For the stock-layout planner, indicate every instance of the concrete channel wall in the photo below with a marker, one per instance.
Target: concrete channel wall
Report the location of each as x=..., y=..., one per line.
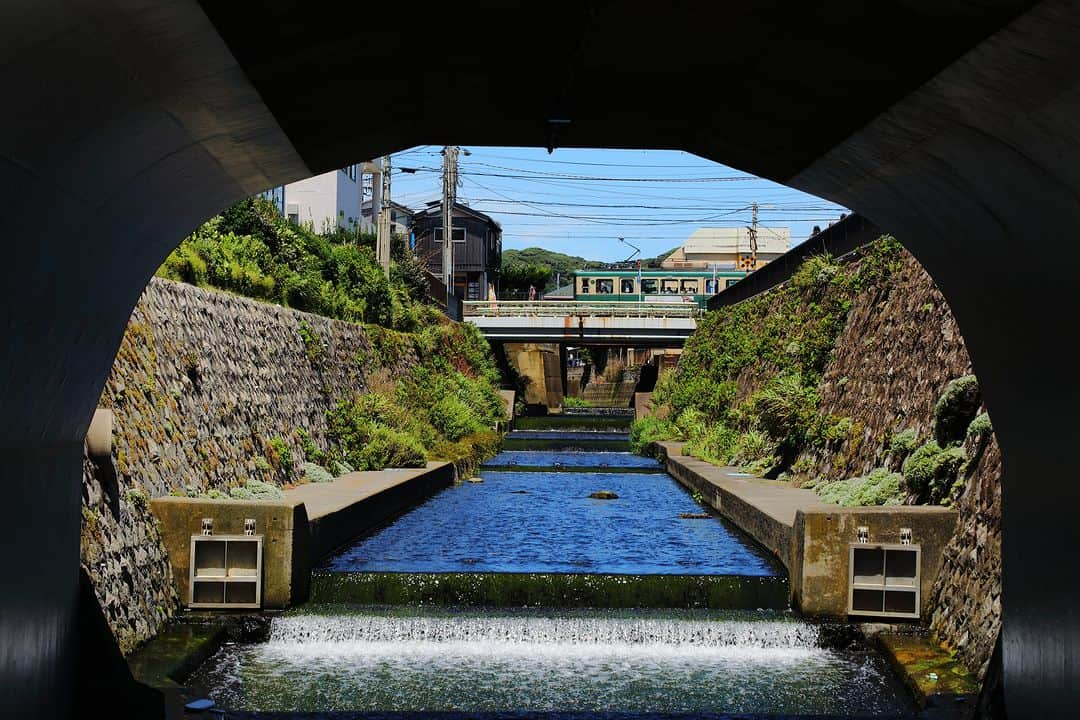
x=809, y=537
x=303, y=529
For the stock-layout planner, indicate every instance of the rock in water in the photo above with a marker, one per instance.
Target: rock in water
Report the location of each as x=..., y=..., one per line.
x=476, y=480
x=604, y=495
x=694, y=516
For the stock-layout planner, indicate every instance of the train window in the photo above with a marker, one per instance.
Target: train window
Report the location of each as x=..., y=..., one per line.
x=710, y=287
x=650, y=286
x=690, y=287
x=626, y=286
x=605, y=286
x=584, y=286
x=669, y=286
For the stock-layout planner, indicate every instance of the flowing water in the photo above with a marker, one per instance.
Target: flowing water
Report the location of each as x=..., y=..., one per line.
x=471, y=602
x=586, y=661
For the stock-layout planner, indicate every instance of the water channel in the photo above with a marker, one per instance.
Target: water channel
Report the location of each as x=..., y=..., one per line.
x=522, y=593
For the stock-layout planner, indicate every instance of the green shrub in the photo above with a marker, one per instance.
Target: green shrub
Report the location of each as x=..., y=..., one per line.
x=576, y=402
x=253, y=489
x=716, y=444
x=312, y=342
x=315, y=473
x=786, y=408
x=452, y=417
x=341, y=467
x=311, y=452
x=980, y=427
x=467, y=454
x=880, y=487
x=387, y=447
x=902, y=443
x=815, y=274
x=931, y=471
x=691, y=423
x=649, y=430
x=280, y=456
x=956, y=408
x=755, y=451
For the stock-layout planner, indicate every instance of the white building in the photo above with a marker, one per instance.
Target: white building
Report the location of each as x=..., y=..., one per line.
x=332, y=198
x=728, y=248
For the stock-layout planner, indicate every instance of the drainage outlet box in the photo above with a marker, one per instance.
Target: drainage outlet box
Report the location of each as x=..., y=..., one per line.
x=883, y=580
x=226, y=572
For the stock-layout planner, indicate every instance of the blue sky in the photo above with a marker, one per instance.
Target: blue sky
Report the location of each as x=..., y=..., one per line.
x=580, y=201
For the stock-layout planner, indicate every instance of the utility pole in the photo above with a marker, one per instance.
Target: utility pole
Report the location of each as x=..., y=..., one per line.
x=449, y=188
x=753, y=236
x=382, y=231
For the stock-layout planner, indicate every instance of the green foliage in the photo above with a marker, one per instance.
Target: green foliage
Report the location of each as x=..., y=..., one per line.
x=454, y=418
x=956, y=408
x=519, y=276
x=307, y=445
x=980, y=427
x=785, y=408
x=902, y=443
x=576, y=402
x=386, y=447
x=312, y=342
x=251, y=250
x=254, y=489
x=315, y=473
x=815, y=274
x=787, y=336
x=340, y=467
x=137, y=498
x=880, y=487
x=716, y=444
x=279, y=456
x=467, y=453
x=648, y=430
x=755, y=451
x=931, y=471
x=554, y=262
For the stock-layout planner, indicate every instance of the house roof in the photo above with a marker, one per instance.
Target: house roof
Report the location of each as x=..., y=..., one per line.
x=434, y=207
x=712, y=240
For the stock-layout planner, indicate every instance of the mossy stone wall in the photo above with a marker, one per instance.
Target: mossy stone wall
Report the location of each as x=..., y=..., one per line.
x=206, y=390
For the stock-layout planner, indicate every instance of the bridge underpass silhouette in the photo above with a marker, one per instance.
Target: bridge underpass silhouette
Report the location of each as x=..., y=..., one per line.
x=129, y=123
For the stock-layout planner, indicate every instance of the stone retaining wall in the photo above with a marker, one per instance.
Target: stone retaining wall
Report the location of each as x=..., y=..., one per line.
x=202, y=382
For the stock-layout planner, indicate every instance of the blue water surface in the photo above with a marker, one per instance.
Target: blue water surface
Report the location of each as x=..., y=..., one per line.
x=553, y=459
x=545, y=522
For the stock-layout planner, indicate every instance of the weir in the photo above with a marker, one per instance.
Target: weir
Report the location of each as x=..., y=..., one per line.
x=520, y=592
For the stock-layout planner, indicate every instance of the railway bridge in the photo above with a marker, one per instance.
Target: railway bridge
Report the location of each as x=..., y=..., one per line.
x=624, y=324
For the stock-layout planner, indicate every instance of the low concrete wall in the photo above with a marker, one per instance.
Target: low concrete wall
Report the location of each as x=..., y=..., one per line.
x=762, y=527
x=810, y=537
x=283, y=525
x=819, y=568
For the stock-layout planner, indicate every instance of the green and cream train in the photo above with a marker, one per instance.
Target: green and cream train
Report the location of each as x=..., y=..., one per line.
x=651, y=285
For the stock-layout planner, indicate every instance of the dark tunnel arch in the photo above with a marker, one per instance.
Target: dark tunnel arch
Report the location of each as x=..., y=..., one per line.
x=135, y=122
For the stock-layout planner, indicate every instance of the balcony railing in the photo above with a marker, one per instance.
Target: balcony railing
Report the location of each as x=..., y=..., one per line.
x=546, y=308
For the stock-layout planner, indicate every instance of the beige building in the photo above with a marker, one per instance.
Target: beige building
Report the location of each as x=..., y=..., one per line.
x=728, y=248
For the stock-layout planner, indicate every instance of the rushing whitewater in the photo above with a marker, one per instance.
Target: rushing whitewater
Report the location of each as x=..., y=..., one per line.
x=584, y=662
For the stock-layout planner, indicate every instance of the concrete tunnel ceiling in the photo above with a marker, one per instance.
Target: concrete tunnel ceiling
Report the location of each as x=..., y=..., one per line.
x=952, y=124
x=766, y=87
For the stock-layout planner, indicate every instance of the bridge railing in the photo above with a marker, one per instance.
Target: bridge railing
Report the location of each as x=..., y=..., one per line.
x=547, y=308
